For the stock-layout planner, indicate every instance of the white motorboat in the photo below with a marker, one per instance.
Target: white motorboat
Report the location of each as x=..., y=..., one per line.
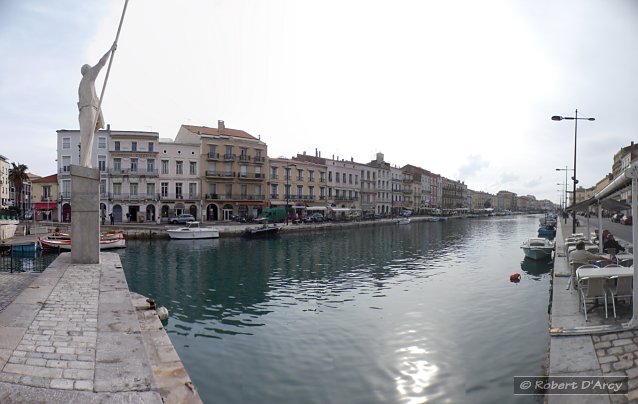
x=193, y=231
x=403, y=220
x=538, y=248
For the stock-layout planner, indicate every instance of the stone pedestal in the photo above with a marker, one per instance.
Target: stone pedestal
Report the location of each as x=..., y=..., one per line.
x=85, y=215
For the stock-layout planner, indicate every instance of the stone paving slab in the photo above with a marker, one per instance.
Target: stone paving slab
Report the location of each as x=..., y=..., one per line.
x=74, y=335
x=12, y=284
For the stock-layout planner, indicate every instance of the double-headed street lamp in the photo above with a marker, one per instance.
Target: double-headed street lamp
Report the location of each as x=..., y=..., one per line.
x=575, y=118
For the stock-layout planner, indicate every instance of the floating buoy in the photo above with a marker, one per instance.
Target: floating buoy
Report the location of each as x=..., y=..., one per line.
x=515, y=277
x=162, y=313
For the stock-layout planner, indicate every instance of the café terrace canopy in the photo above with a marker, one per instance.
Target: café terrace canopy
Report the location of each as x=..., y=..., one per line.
x=606, y=196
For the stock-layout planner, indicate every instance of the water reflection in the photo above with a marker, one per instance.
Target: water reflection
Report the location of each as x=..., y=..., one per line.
x=536, y=268
x=380, y=314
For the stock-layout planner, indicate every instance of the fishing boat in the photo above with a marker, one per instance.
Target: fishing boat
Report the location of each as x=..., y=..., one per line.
x=264, y=231
x=538, y=248
x=403, y=220
x=47, y=243
x=193, y=231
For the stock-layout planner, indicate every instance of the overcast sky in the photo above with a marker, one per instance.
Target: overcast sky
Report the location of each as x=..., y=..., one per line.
x=465, y=89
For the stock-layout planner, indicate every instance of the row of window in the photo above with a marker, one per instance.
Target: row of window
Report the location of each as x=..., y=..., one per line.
x=117, y=145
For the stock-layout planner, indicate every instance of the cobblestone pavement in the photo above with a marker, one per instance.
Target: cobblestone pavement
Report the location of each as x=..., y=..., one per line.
x=617, y=354
x=12, y=284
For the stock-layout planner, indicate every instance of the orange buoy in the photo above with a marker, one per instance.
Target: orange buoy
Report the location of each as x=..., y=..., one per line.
x=515, y=277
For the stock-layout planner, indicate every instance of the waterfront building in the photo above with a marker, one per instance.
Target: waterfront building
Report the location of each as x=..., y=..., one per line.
x=454, y=194
x=131, y=183
x=298, y=182
x=68, y=153
x=179, y=188
x=44, y=198
x=526, y=203
x=506, y=200
x=397, y=196
x=436, y=190
x=343, y=183
x=623, y=159
x=4, y=181
x=232, y=170
x=127, y=164
x=483, y=200
x=368, y=189
x=383, y=185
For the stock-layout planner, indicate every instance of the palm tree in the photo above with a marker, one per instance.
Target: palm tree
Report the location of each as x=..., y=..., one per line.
x=18, y=176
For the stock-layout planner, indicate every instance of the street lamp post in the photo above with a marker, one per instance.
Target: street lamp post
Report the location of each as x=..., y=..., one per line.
x=565, y=188
x=575, y=118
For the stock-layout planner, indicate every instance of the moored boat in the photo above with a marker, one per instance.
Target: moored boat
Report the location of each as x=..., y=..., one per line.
x=264, y=231
x=193, y=231
x=47, y=243
x=403, y=220
x=538, y=248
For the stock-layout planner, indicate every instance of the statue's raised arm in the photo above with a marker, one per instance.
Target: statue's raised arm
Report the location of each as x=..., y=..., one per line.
x=90, y=118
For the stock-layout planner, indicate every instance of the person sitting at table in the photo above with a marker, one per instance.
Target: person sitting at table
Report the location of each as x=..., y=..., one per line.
x=610, y=242
x=582, y=256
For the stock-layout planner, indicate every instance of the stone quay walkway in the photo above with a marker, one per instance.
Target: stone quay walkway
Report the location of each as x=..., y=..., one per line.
x=594, y=354
x=76, y=334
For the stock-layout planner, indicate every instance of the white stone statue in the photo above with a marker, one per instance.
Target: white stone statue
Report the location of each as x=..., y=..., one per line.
x=91, y=119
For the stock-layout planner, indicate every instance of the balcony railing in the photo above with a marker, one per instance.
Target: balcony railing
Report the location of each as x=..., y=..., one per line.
x=234, y=197
x=131, y=197
x=244, y=157
x=181, y=197
x=229, y=157
x=259, y=159
x=134, y=171
x=213, y=156
x=224, y=174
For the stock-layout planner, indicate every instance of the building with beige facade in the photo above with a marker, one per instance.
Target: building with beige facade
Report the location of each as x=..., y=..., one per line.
x=233, y=167
x=44, y=198
x=299, y=183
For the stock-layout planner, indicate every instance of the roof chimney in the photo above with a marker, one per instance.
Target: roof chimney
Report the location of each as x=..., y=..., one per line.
x=220, y=125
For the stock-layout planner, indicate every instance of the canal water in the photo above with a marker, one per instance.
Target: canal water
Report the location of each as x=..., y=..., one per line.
x=383, y=314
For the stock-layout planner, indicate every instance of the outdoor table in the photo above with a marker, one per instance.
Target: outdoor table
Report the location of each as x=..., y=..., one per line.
x=604, y=272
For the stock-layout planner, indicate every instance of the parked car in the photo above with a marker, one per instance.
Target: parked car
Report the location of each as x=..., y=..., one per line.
x=314, y=218
x=183, y=218
x=626, y=219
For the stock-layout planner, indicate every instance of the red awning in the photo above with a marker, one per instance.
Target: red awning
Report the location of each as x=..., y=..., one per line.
x=45, y=205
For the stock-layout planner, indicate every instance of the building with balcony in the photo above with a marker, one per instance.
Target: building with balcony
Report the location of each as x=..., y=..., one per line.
x=232, y=170
x=4, y=182
x=483, y=200
x=506, y=200
x=454, y=194
x=44, y=198
x=128, y=170
x=298, y=183
x=178, y=189
x=368, y=189
x=132, y=180
x=383, y=185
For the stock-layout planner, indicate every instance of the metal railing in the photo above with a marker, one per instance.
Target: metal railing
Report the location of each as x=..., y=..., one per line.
x=23, y=262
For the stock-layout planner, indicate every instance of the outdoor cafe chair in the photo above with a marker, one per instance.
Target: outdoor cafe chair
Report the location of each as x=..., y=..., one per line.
x=591, y=289
x=627, y=262
x=574, y=266
x=620, y=287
